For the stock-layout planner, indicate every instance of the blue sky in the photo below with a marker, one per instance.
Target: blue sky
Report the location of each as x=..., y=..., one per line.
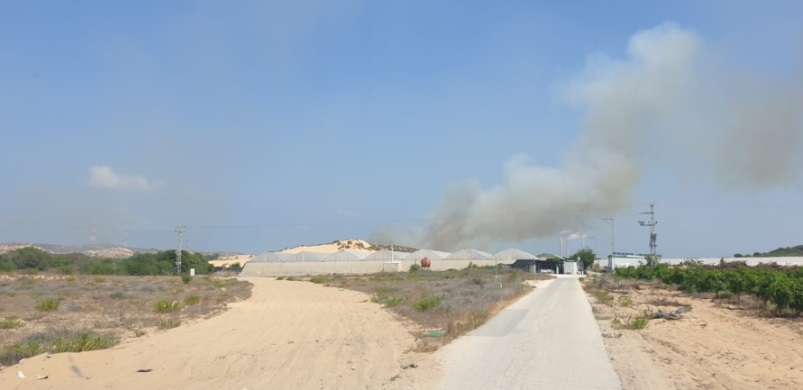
x=263, y=124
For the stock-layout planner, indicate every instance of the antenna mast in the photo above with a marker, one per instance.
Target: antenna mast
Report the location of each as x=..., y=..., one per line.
x=611, y=220
x=651, y=224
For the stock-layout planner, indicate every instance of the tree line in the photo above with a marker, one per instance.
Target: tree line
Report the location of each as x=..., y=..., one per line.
x=159, y=263
x=782, y=287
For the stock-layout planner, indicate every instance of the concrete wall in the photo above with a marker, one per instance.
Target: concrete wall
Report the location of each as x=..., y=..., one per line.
x=288, y=268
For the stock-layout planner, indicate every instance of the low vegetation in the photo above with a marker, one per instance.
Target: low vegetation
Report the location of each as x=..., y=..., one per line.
x=11, y=323
x=169, y=323
x=780, y=288
x=55, y=341
x=47, y=305
x=53, y=312
x=166, y=306
x=32, y=260
x=446, y=304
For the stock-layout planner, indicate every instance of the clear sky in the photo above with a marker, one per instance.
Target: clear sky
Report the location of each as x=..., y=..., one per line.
x=266, y=124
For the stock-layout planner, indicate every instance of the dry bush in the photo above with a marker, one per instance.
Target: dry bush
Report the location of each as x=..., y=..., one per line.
x=123, y=306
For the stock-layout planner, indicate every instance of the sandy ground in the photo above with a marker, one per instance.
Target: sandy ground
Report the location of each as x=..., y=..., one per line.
x=718, y=345
x=225, y=261
x=301, y=335
x=288, y=335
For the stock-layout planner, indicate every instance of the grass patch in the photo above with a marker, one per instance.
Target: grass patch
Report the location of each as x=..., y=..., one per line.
x=166, y=306
x=604, y=297
x=318, y=279
x=169, y=323
x=53, y=341
x=11, y=323
x=427, y=302
x=192, y=299
x=625, y=301
x=388, y=297
x=634, y=323
x=48, y=305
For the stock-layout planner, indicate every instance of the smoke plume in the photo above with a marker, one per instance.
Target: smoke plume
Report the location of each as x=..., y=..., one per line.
x=740, y=130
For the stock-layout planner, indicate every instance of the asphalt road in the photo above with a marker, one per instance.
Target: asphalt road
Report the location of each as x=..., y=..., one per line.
x=546, y=340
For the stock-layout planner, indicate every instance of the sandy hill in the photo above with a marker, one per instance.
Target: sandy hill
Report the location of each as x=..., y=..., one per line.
x=355, y=245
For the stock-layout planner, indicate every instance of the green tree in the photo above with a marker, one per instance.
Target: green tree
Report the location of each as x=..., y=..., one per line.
x=586, y=257
x=652, y=260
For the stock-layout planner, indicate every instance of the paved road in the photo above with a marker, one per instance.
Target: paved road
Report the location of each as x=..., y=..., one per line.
x=547, y=340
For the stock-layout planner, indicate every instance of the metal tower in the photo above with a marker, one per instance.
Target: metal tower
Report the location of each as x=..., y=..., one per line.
x=651, y=224
x=610, y=219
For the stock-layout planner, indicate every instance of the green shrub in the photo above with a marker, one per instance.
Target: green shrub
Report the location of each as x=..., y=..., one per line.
x=166, y=306
x=392, y=301
x=48, y=305
x=427, y=302
x=318, y=279
x=638, y=323
x=414, y=268
x=192, y=299
x=11, y=323
x=387, y=296
x=85, y=341
x=280, y=278
x=726, y=295
x=186, y=278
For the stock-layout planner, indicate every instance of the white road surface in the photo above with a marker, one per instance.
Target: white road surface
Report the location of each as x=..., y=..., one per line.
x=546, y=340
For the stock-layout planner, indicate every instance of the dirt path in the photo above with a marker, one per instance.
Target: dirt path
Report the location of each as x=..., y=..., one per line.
x=287, y=335
x=718, y=345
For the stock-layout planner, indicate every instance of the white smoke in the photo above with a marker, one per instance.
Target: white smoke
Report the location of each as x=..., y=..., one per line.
x=665, y=91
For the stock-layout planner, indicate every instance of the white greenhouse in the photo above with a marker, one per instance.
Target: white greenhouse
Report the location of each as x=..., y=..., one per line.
x=386, y=255
x=271, y=257
x=469, y=254
x=308, y=256
x=346, y=255
x=512, y=254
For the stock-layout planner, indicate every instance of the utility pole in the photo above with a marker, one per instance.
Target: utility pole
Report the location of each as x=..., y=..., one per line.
x=610, y=219
x=651, y=224
x=180, y=231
